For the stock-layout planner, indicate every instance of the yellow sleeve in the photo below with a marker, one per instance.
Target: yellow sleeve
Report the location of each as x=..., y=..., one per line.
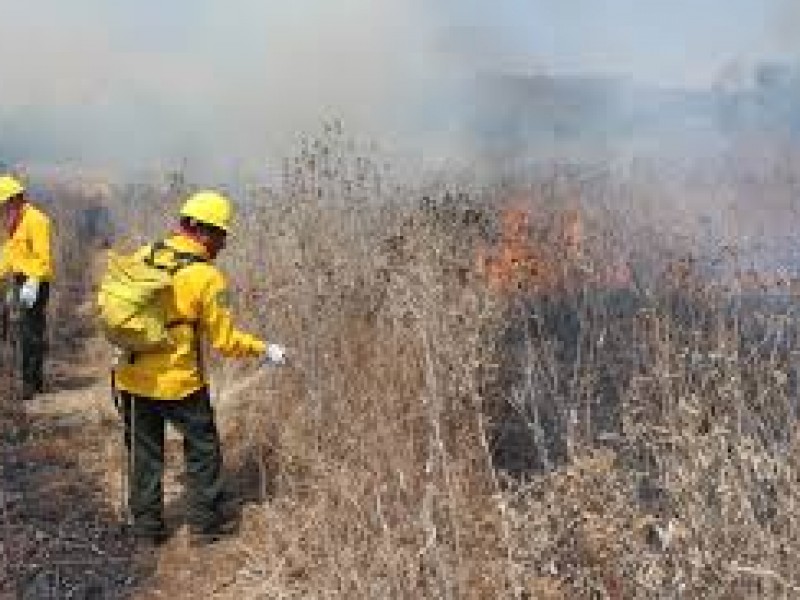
x=39, y=262
x=218, y=323
x=5, y=263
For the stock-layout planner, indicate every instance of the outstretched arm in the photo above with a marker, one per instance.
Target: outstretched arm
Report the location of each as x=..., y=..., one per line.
x=218, y=324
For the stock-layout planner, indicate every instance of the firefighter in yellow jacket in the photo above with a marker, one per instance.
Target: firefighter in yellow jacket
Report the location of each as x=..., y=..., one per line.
x=171, y=386
x=26, y=265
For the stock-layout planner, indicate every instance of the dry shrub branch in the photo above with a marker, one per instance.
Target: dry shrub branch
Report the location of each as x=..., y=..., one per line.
x=600, y=403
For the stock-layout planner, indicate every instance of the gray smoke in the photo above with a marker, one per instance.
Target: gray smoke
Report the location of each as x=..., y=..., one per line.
x=202, y=82
x=224, y=85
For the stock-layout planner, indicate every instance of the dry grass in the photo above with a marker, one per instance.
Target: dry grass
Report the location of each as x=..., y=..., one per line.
x=435, y=439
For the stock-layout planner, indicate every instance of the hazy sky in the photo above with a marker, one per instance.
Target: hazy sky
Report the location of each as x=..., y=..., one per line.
x=138, y=82
x=672, y=42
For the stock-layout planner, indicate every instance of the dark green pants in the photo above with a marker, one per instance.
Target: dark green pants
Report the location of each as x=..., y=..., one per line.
x=193, y=416
x=33, y=337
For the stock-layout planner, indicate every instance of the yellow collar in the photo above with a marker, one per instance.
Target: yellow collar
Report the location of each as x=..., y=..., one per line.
x=183, y=243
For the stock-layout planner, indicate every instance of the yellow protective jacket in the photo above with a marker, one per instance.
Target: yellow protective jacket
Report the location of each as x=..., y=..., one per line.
x=199, y=303
x=28, y=251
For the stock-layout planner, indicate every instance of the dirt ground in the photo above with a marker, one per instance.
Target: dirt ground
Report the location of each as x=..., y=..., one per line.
x=62, y=532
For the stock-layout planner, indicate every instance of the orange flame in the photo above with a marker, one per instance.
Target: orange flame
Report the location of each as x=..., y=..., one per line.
x=544, y=257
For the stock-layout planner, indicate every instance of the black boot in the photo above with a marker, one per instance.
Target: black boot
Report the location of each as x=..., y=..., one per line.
x=220, y=528
x=28, y=392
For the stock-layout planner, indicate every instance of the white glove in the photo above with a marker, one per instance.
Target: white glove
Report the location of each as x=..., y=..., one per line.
x=29, y=292
x=275, y=354
x=118, y=356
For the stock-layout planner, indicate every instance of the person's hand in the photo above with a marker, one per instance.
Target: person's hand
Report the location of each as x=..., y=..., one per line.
x=275, y=355
x=29, y=292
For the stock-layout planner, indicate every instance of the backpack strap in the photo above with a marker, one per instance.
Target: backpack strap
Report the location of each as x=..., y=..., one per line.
x=150, y=259
x=182, y=259
x=185, y=259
